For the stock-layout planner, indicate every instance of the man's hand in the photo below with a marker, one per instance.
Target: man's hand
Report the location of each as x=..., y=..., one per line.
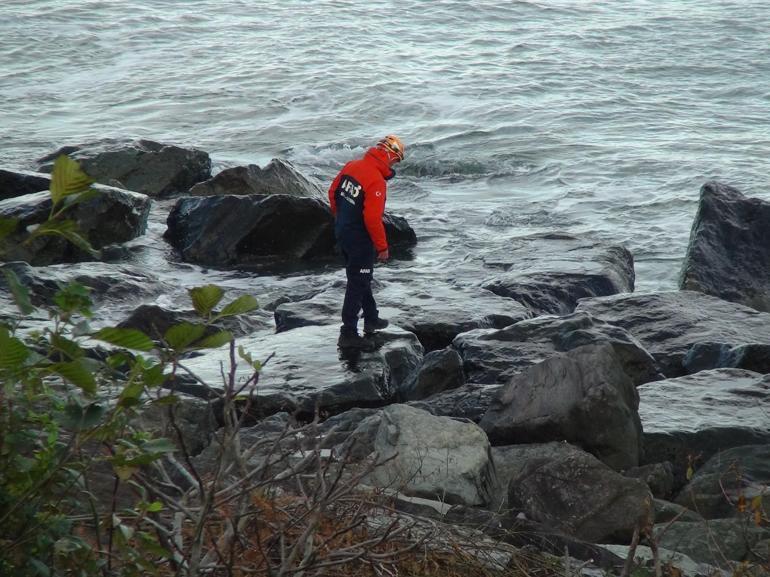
x=383, y=255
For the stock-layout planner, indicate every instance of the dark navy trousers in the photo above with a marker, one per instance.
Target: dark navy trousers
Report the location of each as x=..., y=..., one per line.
x=359, y=267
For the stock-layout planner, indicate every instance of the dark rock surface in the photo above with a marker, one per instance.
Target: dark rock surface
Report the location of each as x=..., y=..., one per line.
x=659, y=477
x=495, y=356
x=583, y=397
x=15, y=183
x=469, y=401
x=729, y=251
x=308, y=371
x=549, y=272
x=113, y=216
x=571, y=491
x=440, y=371
x=145, y=166
x=278, y=177
x=704, y=356
x=703, y=413
x=669, y=324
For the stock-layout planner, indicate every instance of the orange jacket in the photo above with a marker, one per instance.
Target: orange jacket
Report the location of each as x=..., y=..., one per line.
x=357, y=198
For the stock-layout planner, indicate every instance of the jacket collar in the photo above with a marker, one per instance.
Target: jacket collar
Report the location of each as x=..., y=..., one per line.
x=380, y=160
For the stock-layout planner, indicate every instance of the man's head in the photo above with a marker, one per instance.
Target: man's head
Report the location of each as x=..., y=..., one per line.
x=393, y=147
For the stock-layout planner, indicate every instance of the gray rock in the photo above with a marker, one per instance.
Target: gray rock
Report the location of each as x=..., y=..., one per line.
x=674, y=562
x=495, y=356
x=549, y=272
x=15, y=183
x=669, y=324
x=436, y=313
x=725, y=479
x=152, y=168
x=440, y=371
x=469, y=402
x=659, y=477
x=700, y=414
x=308, y=371
x=573, y=492
x=113, y=216
x=278, y=177
x=716, y=542
x=666, y=511
x=704, y=356
x=729, y=251
x=432, y=457
x=193, y=420
x=583, y=397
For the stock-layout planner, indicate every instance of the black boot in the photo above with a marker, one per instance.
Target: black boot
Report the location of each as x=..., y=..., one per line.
x=352, y=340
x=375, y=325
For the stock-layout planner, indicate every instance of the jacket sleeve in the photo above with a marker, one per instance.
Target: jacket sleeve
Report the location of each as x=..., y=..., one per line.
x=332, y=188
x=374, y=208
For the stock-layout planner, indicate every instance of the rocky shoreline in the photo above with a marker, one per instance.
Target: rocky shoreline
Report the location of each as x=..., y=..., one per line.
x=527, y=387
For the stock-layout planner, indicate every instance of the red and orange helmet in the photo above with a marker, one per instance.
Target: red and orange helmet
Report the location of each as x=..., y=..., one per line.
x=393, y=144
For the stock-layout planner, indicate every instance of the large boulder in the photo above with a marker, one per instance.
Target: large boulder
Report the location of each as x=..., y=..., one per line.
x=703, y=413
x=727, y=484
x=152, y=168
x=436, y=313
x=549, y=273
x=305, y=371
x=583, y=397
x=469, y=402
x=113, y=216
x=440, y=371
x=729, y=251
x=278, y=177
x=669, y=324
x=432, y=457
x=495, y=356
x=15, y=183
x=573, y=492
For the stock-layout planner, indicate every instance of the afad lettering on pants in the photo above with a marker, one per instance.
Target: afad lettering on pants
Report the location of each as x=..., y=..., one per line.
x=365, y=271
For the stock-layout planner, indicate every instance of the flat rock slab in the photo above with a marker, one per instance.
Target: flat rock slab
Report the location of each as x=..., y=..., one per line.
x=435, y=313
x=548, y=273
x=15, y=183
x=669, y=324
x=307, y=370
x=278, y=177
x=729, y=251
x=495, y=356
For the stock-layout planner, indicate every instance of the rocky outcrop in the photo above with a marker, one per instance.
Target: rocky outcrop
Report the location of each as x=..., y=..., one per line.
x=469, y=401
x=573, y=492
x=729, y=251
x=15, y=183
x=432, y=457
x=582, y=396
x=306, y=371
x=495, y=356
x=144, y=166
x=549, y=273
x=703, y=413
x=440, y=371
x=669, y=324
x=278, y=177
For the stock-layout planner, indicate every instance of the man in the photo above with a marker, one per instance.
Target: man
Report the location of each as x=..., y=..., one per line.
x=357, y=198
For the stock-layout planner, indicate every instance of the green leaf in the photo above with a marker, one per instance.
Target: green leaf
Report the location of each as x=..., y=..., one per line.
x=84, y=196
x=67, y=178
x=64, y=345
x=153, y=376
x=214, y=341
x=239, y=306
x=131, y=394
x=68, y=230
x=78, y=417
x=78, y=373
x=128, y=338
x=154, y=507
x=13, y=352
x=74, y=297
x=205, y=298
x=19, y=292
x=8, y=226
x=183, y=335
x=160, y=445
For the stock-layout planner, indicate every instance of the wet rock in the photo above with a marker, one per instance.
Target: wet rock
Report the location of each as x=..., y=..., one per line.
x=278, y=177
x=549, y=273
x=432, y=457
x=495, y=356
x=15, y=183
x=716, y=542
x=307, y=367
x=669, y=324
x=469, y=401
x=152, y=168
x=440, y=371
x=725, y=480
x=659, y=477
x=436, y=314
x=573, y=492
x=698, y=415
x=583, y=397
x=113, y=216
x=400, y=235
x=230, y=230
x=704, y=356
x=729, y=252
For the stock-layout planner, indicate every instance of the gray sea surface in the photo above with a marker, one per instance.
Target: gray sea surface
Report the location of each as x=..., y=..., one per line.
x=519, y=116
